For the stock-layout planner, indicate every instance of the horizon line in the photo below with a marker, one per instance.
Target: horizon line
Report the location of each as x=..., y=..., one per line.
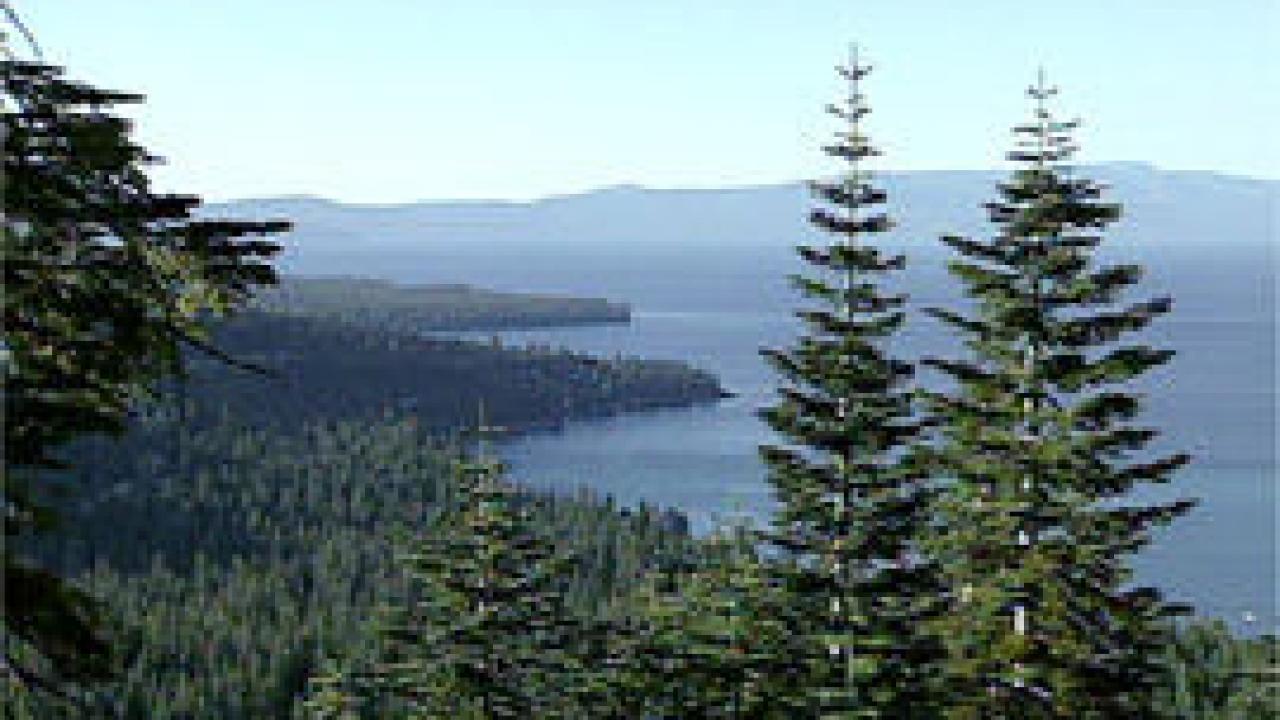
x=626, y=186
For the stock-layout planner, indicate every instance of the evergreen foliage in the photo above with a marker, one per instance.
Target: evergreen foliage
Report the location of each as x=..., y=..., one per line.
x=851, y=497
x=487, y=629
x=323, y=368
x=702, y=641
x=1215, y=676
x=242, y=548
x=105, y=281
x=1038, y=456
x=235, y=562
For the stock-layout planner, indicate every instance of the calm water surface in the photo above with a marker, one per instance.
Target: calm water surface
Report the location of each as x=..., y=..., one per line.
x=1215, y=400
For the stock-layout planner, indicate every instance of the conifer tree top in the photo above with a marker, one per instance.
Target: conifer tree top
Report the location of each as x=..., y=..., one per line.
x=850, y=496
x=1039, y=454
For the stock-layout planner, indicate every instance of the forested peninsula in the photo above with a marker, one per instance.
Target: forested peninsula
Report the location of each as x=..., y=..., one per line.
x=220, y=507
x=361, y=349
x=251, y=521
x=413, y=308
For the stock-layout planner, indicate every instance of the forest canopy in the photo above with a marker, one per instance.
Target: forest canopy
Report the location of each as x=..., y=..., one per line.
x=225, y=501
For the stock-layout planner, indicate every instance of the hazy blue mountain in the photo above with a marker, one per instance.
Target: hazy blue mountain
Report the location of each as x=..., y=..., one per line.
x=1162, y=207
x=1206, y=237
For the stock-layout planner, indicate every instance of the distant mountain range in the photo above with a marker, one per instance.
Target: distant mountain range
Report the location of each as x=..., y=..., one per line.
x=1160, y=207
x=592, y=243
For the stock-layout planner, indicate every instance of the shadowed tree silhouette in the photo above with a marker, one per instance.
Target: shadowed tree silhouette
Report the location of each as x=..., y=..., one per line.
x=105, y=282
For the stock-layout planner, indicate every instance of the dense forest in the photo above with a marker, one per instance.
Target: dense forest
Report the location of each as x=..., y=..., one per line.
x=239, y=542
x=226, y=507
x=315, y=368
x=239, y=564
x=355, y=348
x=235, y=561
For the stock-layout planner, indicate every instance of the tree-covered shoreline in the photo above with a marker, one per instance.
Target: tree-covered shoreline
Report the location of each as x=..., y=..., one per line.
x=418, y=308
x=216, y=509
x=234, y=562
x=318, y=367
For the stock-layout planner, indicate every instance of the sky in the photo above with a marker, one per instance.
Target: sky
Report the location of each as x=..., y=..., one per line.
x=385, y=101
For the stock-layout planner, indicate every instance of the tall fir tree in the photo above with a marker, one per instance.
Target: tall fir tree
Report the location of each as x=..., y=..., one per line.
x=105, y=282
x=851, y=496
x=1038, y=456
x=487, y=631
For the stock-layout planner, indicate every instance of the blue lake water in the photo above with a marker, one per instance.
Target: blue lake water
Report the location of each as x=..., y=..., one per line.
x=1215, y=400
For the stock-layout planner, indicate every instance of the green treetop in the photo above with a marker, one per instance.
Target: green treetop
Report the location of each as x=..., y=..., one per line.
x=105, y=281
x=1037, y=457
x=850, y=498
x=703, y=640
x=487, y=630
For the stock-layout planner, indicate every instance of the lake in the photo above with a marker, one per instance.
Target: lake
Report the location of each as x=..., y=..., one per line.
x=1215, y=400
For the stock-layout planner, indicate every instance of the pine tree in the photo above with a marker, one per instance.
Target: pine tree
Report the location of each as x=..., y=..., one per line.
x=1038, y=455
x=703, y=639
x=487, y=630
x=851, y=497
x=105, y=282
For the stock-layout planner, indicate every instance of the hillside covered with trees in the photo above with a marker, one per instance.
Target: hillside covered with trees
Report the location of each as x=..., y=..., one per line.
x=216, y=507
x=316, y=368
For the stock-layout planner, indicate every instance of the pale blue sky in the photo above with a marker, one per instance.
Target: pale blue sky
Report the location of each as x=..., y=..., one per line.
x=398, y=100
